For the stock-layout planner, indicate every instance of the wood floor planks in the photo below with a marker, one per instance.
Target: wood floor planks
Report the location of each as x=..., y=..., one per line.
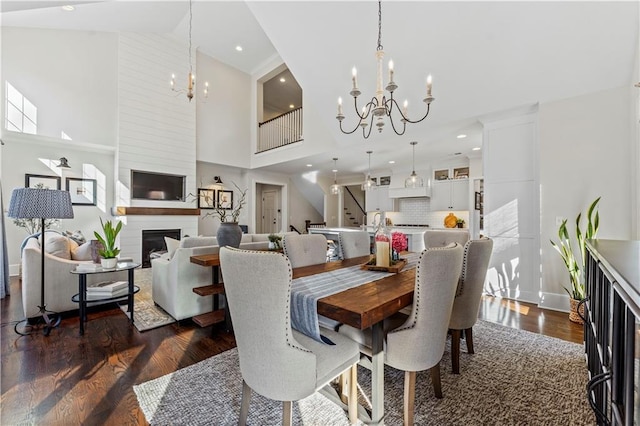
x=70, y=379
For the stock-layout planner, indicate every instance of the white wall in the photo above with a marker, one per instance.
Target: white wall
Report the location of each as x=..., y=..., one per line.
x=70, y=77
x=585, y=146
x=224, y=119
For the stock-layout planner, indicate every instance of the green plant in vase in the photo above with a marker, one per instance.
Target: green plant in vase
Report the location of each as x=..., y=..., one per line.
x=109, y=251
x=274, y=241
x=576, y=266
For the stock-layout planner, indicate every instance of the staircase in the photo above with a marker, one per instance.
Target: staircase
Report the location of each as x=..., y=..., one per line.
x=353, y=214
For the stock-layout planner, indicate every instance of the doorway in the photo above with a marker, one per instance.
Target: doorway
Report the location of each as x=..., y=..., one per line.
x=269, y=220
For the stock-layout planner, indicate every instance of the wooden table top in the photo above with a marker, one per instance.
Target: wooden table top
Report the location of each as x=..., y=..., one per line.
x=365, y=305
x=359, y=307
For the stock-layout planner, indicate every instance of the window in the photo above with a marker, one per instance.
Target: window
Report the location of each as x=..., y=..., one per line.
x=21, y=114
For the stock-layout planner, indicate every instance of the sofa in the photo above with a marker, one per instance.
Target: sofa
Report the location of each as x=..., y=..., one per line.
x=174, y=276
x=62, y=254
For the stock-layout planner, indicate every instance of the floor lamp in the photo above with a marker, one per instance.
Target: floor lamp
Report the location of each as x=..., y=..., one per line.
x=35, y=203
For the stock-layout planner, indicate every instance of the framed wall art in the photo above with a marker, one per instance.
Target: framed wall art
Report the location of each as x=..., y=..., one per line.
x=206, y=198
x=83, y=192
x=225, y=199
x=42, y=181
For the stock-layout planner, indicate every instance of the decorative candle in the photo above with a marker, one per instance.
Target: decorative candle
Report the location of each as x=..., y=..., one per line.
x=354, y=73
x=339, y=106
x=382, y=253
x=390, y=71
x=429, y=85
x=173, y=80
x=405, y=108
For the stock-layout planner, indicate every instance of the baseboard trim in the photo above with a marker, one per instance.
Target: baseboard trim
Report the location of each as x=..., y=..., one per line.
x=14, y=270
x=554, y=302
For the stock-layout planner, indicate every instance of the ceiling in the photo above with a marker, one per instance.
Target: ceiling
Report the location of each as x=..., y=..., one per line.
x=485, y=58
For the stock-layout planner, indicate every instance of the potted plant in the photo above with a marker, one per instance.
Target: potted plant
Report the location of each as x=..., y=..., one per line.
x=460, y=223
x=570, y=258
x=274, y=241
x=229, y=232
x=109, y=251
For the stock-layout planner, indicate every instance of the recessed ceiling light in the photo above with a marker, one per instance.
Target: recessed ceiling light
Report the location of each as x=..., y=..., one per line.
x=392, y=162
x=461, y=136
x=282, y=80
x=309, y=165
x=292, y=106
x=476, y=148
x=239, y=48
x=68, y=8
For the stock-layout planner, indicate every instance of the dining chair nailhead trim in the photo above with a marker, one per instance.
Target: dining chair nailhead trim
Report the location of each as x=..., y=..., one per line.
x=287, y=327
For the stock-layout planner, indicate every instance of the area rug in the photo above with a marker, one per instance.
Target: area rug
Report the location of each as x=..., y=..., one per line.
x=514, y=378
x=146, y=315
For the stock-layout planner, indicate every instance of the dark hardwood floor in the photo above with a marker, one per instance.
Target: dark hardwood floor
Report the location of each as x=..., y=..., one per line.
x=67, y=379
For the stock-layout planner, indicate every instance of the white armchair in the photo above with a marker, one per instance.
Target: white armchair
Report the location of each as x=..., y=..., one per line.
x=59, y=284
x=174, y=279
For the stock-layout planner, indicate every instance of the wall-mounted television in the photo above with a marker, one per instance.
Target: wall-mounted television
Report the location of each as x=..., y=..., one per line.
x=157, y=186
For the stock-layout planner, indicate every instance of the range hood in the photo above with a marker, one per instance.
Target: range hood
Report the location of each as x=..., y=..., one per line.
x=397, y=189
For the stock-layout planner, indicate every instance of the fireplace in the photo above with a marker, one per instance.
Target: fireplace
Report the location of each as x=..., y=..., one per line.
x=153, y=242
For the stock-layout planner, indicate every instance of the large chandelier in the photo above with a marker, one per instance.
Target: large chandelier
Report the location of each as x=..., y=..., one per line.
x=379, y=106
x=335, y=188
x=192, y=77
x=369, y=184
x=414, y=181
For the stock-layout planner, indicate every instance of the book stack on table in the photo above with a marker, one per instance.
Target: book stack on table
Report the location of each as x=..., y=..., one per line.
x=107, y=289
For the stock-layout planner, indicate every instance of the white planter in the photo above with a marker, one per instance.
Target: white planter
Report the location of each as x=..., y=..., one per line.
x=109, y=263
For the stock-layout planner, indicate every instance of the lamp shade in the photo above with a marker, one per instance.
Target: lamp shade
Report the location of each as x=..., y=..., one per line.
x=31, y=203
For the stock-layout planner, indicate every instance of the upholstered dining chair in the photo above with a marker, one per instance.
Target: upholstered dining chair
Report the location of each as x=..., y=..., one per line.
x=418, y=343
x=467, y=302
x=276, y=361
x=305, y=249
x=354, y=244
x=443, y=237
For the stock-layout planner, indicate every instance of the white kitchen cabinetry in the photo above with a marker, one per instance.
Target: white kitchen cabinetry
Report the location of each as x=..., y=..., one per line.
x=450, y=195
x=378, y=199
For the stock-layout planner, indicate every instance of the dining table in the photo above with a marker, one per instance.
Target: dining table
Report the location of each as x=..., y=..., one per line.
x=366, y=306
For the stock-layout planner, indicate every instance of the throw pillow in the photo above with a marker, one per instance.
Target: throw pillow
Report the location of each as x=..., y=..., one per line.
x=82, y=252
x=75, y=236
x=172, y=245
x=57, y=245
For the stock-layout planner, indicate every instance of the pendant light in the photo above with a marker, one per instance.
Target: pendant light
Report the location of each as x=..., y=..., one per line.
x=414, y=181
x=369, y=184
x=335, y=188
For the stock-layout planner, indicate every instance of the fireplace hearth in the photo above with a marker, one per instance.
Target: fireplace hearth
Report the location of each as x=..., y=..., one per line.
x=153, y=242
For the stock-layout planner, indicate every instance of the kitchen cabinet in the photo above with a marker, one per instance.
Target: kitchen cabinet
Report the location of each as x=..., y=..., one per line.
x=378, y=199
x=450, y=195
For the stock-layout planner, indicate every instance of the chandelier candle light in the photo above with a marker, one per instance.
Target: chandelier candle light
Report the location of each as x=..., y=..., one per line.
x=335, y=188
x=414, y=181
x=379, y=106
x=192, y=77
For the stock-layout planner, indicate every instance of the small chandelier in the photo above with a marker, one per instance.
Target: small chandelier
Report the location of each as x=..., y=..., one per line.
x=335, y=188
x=379, y=106
x=192, y=77
x=369, y=184
x=64, y=163
x=414, y=181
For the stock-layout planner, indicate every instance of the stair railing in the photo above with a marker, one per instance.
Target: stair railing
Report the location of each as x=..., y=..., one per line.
x=282, y=130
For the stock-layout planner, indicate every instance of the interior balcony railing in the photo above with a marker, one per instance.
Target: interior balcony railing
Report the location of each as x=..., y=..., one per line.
x=282, y=130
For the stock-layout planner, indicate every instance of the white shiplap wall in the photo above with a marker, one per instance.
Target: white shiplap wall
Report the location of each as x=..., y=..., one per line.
x=156, y=130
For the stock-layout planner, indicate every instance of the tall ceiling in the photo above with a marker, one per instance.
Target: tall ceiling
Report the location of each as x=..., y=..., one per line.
x=485, y=57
